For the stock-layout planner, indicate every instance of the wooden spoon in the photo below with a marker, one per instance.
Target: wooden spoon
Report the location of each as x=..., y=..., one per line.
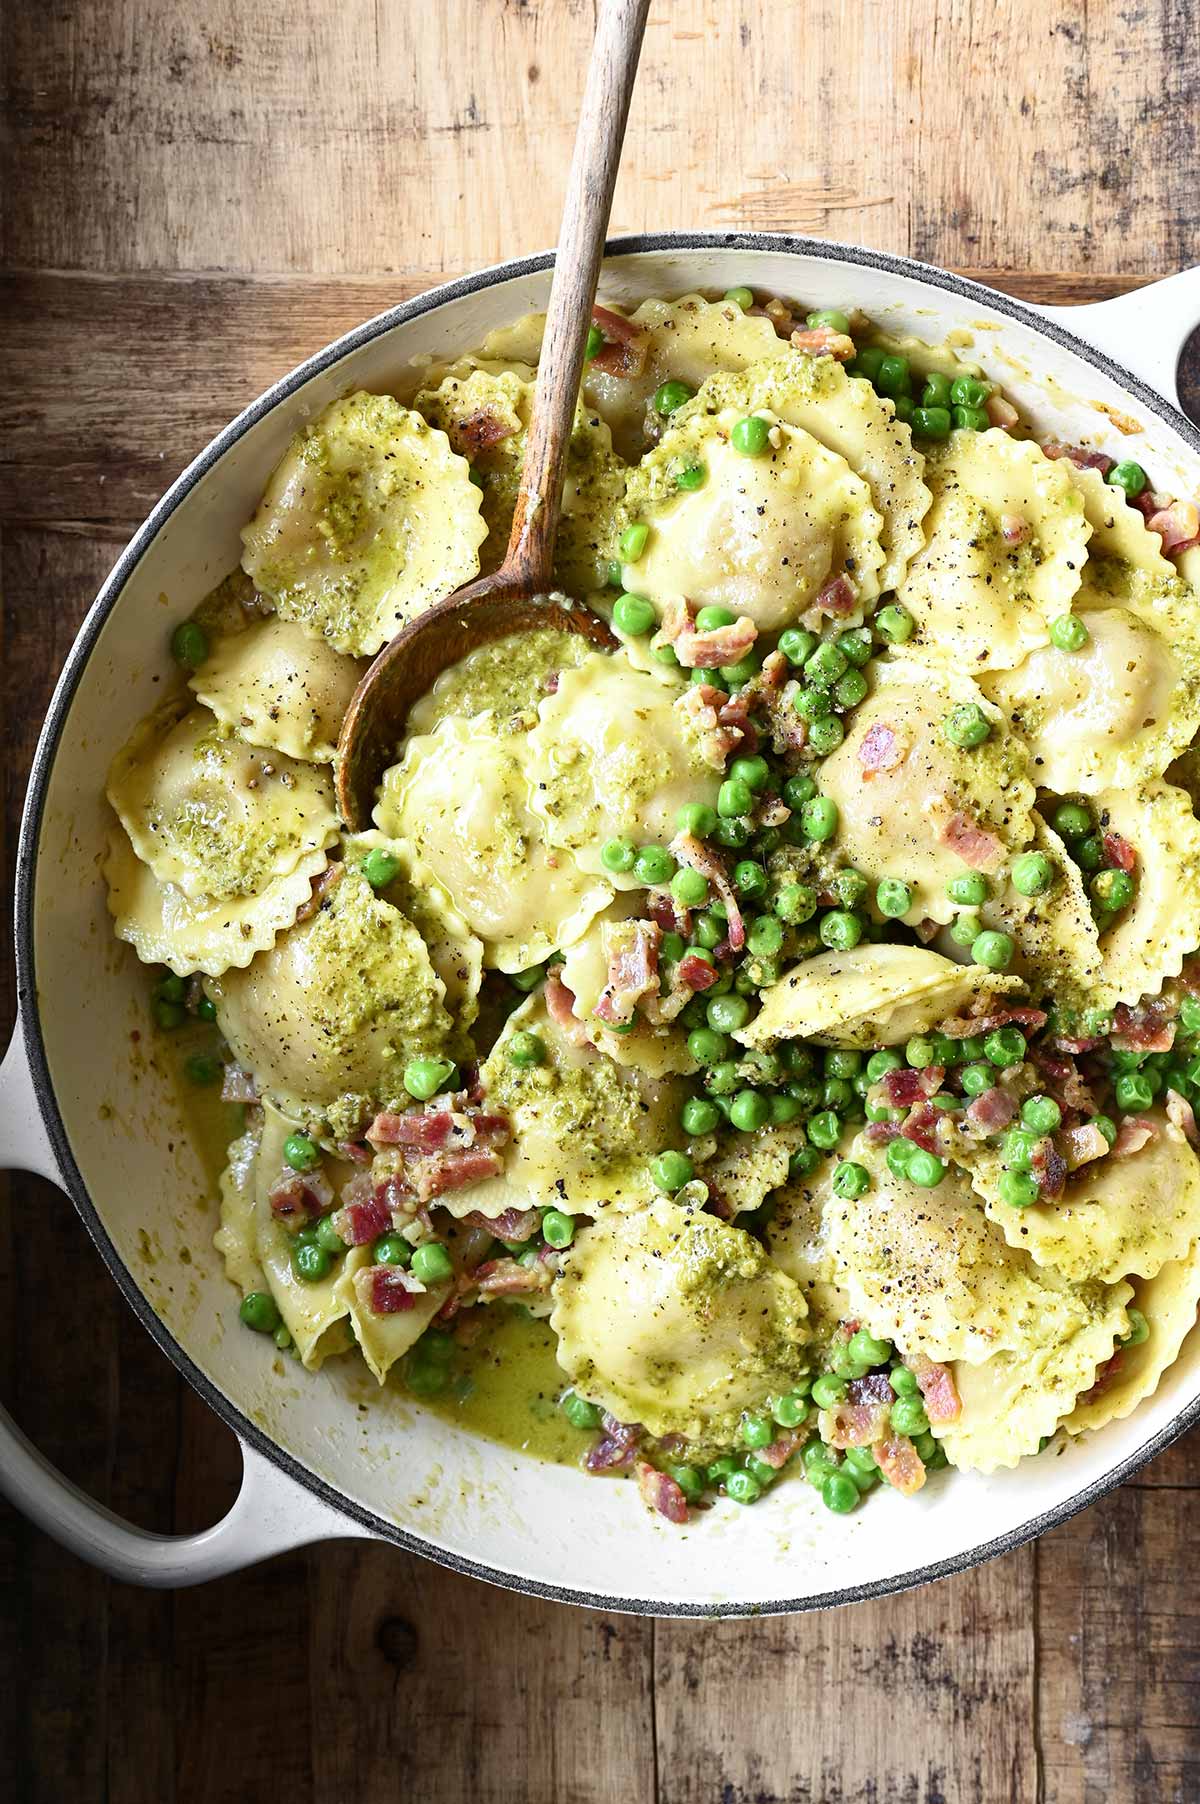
x=516, y=597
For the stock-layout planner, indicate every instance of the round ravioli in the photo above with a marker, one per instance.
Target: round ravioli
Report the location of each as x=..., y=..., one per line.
x=613, y=757
x=486, y=419
x=212, y=815
x=458, y=801
x=1148, y=941
x=912, y=805
x=874, y=995
x=843, y=413
x=455, y=953
x=165, y=927
x=328, y=1018
x=369, y=519
x=679, y=1321
x=1168, y=1301
x=277, y=687
x=758, y=534
x=657, y=1050
x=1006, y=540
x=1058, y=947
x=583, y=1128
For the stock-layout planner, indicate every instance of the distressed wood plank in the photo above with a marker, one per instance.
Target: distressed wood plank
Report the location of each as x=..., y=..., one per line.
x=913, y=1700
x=1119, y=1652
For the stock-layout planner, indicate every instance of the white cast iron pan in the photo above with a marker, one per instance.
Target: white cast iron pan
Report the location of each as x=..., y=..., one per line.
x=89, y=1108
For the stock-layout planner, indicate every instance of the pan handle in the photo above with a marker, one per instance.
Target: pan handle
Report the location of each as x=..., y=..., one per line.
x=272, y=1512
x=1144, y=331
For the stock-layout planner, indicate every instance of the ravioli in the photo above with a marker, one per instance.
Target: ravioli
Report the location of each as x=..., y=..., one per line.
x=455, y=953
x=329, y=1017
x=910, y=804
x=1119, y=531
x=980, y=601
x=314, y=1312
x=797, y=1239
x=507, y=677
x=1058, y=947
x=165, y=928
x=278, y=688
x=1149, y=940
x=368, y=519
x=612, y=757
x=874, y=995
x=217, y=818
x=1168, y=1301
x=760, y=535
x=657, y=1051
x=679, y=1321
x=583, y=1128
x=1117, y=1218
x=746, y=1168
x=486, y=419
x=459, y=801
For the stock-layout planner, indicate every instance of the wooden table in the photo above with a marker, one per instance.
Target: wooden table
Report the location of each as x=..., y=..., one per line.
x=197, y=196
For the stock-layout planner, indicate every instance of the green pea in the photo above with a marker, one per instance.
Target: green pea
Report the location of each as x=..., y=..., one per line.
x=925, y=1169
x=932, y=422
x=970, y=419
x=1068, y=633
x=526, y=1049
x=578, y=1411
x=1129, y=476
x=300, y=1152
x=431, y=1263
x=696, y=818
x=893, y=376
x=894, y=624
x=708, y=931
x=1189, y=1014
x=734, y=798
x=797, y=645
x=903, y=1382
x=803, y=1162
x=710, y=619
x=825, y=665
x=741, y=672
x=967, y=726
x=751, y=436
x=328, y=1236
x=812, y=704
x=672, y=947
x=558, y=1230
x=206, y=1009
x=789, y=1411
x=258, y=1311
x=840, y=930
x=392, y=1249
x=824, y=1130
x=1032, y=874
x=843, y=1061
x=861, y=1460
x=893, y=899
x=595, y=343
x=868, y=1350
x=426, y=1078
x=839, y=1493
x=829, y=316
x=688, y=887
x=919, y=1051
x=850, y=689
x=851, y=1180
x=1112, y=890
x=723, y=1078
x=691, y=476
x=868, y=360
x=722, y=1468
x=282, y=1337
x=749, y=879
x=757, y=1431
x=664, y=654
x=728, y=1013
x=653, y=865
x=699, y=1116
x=634, y=616
x=671, y=395
x=1017, y=1148
x=1004, y=1046
x=1139, y=1329
x=672, y=1170
x=1017, y=1189
x=633, y=541
x=828, y=1391
x=969, y=391
x=202, y=1069
x=525, y=981
x=189, y=645
x=1133, y=1090
x=1041, y=1114
x=993, y=950
x=743, y=1487
x=908, y=1416
x=795, y=903
x=734, y=834
x=971, y=889
x=749, y=1111
x=169, y=1015
x=309, y=1261
x=740, y=297
x=765, y=937
x=880, y=1063
x=825, y=735
x=856, y=646
x=379, y=867
x=819, y=819
x=755, y=772
x=1072, y=820
x=936, y=391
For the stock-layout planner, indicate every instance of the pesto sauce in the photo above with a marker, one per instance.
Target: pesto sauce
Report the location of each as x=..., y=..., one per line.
x=509, y=676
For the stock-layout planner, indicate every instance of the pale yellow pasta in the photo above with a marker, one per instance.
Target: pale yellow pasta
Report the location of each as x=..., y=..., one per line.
x=655, y=1050
x=368, y=519
x=1119, y=531
x=215, y=817
x=1168, y=1302
x=278, y=688
x=760, y=535
x=679, y=1321
x=744, y=1171
x=455, y=953
x=911, y=811
x=1058, y=947
x=981, y=601
x=237, y=1237
x=459, y=801
x=314, y=1312
x=610, y=757
x=1149, y=940
x=874, y=995
x=507, y=677
x=797, y=1239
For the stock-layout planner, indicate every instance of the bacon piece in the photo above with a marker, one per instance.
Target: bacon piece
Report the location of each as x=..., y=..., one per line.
x=962, y=1027
x=696, y=974
x=1146, y=1028
x=861, y=1418
x=1134, y=1133
x=881, y=748
x=942, y=1401
x=238, y=1085
x=703, y=706
x=1083, y=460
x=1014, y=529
x=660, y=1492
x=1178, y=526
x=433, y=1130
x=297, y=1198
x=1062, y=1079
x=900, y=1463
x=904, y=1087
x=509, y=1278
x=452, y=1171
x=365, y=1213
x=480, y=432
x=357, y=1152
x=823, y=341
x=706, y=650
x=990, y=1111
x=1180, y=1111
x=880, y=1133
x=560, y=1004
x=623, y=352
x=921, y=1126
x=691, y=851
x=781, y=1450
x=1001, y=413
x=616, y=1448
x=978, y=848
x=632, y=971
x=734, y=717
x=1049, y=1168
x=837, y=598
x=1105, y=1375
x=321, y=885
x=513, y=1226
x=387, y=1289
x=1082, y=1144
x=1118, y=853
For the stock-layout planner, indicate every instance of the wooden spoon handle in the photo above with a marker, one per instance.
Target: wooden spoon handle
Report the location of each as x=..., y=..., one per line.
x=590, y=185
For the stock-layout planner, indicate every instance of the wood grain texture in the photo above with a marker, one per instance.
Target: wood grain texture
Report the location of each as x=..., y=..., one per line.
x=195, y=199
